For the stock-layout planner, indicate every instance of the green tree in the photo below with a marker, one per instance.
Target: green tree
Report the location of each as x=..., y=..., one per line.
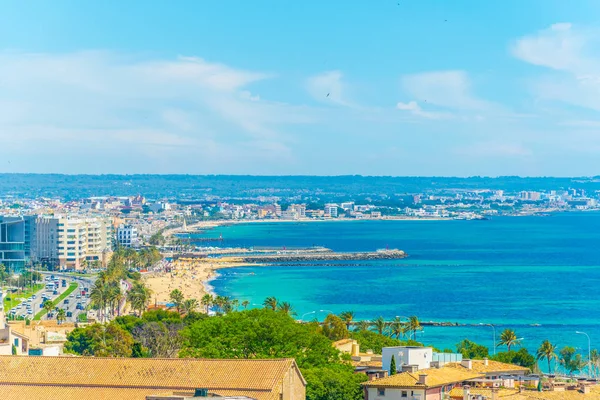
x=379, y=324
x=245, y=304
x=362, y=326
x=61, y=316
x=348, y=318
x=139, y=297
x=286, y=308
x=413, y=325
x=333, y=382
x=49, y=306
x=472, y=350
x=547, y=351
x=370, y=340
x=270, y=303
x=177, y=298
x=98, y=340
x=207, y=301
x=393, y=366
x=397, y=328
x=508, y=338
x=334, y=328
x=570, y=360
x=257, y=333
x=190, y=305
x=521, y=357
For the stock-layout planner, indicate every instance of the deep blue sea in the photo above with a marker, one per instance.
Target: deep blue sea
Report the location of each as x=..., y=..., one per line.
x=507, y=271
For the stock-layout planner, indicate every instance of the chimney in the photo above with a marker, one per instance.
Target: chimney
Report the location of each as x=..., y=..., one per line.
x=423, y=379
x=466, y=392
x=468, y=364
x=355, y=348
x=409, y=368
x=485, y=361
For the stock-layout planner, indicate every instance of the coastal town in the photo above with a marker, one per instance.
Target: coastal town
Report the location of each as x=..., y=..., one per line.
x=122, y=264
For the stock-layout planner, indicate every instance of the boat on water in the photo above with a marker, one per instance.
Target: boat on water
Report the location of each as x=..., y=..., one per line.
x=535, y=325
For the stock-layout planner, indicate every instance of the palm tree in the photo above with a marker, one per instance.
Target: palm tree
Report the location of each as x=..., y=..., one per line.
x=245, y=304
x=413, y=325
x=397, y=327
x=235, y=304
x=48, y=306
x=286, y=308
x=61, y=316
x=270, y=303
x=362, y=326
x=207, y=301
x=190, y=305
x=379, y=324
x=347, y=317
x=177, y=298
x=547, y=350
x=226, y=304
x=139, y=297
x=508, y=338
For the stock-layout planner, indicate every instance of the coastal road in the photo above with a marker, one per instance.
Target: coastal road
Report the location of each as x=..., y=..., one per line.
x=31, y=306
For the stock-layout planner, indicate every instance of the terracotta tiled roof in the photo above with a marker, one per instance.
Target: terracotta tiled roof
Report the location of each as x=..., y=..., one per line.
x=435, y=377
x=514, y=394
x=20, y=392
x=493, y=367
x=261, y=378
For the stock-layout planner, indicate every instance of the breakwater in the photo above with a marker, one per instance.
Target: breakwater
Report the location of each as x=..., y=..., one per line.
x=322, y=256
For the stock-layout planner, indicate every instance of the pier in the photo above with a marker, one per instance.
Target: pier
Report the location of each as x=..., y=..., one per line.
x=322, y=256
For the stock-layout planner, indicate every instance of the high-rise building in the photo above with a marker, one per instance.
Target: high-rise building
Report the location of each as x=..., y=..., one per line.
x=83, y=239
x=127, y=236
x=331, y=210
x=15, y=242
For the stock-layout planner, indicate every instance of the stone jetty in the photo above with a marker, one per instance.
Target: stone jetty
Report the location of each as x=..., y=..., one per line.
x=322, y=256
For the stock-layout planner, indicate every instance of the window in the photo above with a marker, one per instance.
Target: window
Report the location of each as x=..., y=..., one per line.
x=404, y=393
x=380, y=392
x=16, y=342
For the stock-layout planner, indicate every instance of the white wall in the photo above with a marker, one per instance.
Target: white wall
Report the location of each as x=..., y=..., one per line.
x=407, y=355
x=395, y=394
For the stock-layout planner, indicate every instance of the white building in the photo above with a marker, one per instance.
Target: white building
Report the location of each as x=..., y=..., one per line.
x=420, y=357
x=127, y=236
x=331, y=210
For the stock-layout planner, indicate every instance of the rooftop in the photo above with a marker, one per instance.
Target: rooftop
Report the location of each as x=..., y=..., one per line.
x=435, y=377
x=68, y=378
x=491, y=367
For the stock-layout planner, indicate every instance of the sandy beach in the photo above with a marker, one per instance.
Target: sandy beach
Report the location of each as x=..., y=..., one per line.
x=190, y=276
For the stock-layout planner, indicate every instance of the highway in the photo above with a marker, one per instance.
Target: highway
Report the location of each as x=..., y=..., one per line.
x=31, y=306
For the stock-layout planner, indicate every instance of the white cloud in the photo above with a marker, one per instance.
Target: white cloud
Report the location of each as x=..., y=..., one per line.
x=328, y=87
x=449, y=89
x=571, y=55
x=414, y=108
x=139, y=112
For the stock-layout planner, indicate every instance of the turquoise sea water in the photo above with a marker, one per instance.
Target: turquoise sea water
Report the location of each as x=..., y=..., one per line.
x=508, y=271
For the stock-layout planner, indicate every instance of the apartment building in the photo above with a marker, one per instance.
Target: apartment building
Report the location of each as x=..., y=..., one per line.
x=127, y=236
x=83, y=241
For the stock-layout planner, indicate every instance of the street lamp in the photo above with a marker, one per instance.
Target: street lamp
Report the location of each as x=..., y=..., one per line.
x=494, y=328
x=589, y=350
x=310, y=312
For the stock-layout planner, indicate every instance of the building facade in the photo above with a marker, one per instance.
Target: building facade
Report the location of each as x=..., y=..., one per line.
x=127, y=236
x=15, y=242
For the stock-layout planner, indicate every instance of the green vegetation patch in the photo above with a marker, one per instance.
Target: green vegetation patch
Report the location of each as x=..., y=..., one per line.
x=14, y=297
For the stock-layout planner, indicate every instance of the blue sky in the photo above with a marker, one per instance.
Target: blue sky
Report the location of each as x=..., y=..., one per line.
x=403, y=87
